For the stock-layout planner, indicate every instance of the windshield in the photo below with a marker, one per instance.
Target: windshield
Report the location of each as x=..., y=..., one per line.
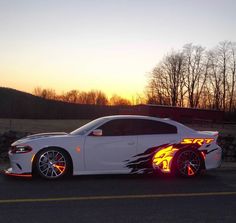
x=88, y=127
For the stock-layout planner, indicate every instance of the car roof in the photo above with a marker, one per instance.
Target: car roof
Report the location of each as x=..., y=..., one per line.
x=136, y=117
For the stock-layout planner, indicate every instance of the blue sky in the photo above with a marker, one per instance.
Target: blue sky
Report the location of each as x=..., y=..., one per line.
x=97, y=44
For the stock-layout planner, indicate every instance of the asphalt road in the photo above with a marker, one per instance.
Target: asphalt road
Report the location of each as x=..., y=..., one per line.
x=119, y=198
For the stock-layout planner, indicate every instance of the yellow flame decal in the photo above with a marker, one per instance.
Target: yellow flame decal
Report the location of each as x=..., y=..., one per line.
x=162, y=158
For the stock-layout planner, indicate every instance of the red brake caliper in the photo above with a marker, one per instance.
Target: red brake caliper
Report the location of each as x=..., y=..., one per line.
x=190, y=171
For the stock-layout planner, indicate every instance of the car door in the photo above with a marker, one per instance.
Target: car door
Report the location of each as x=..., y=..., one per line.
x=155, y=133
x=110, y=151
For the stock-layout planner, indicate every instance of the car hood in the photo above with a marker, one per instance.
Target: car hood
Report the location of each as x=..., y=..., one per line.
x=38, y=136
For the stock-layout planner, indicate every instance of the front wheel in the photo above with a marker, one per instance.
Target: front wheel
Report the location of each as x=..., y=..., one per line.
x=187, y=163
x=52, y=163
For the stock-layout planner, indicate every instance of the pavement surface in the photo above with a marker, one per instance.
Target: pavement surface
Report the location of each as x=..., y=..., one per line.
x=121, y=198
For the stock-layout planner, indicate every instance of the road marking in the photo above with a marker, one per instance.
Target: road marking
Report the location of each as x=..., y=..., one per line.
x=116, y=197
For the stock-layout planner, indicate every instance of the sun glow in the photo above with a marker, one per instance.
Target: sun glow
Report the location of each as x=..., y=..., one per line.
x=105, y=45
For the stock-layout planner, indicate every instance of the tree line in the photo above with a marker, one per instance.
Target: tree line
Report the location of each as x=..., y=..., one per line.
x=92, y=97
x=192, y=77
x=195, y=77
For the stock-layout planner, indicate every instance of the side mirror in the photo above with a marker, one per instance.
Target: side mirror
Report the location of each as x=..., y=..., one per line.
x=97, y=132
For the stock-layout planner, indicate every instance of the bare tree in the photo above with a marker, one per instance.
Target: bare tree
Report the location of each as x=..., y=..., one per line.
x=174, y=73
x=215, y=79
x=37, y=91
x=93, y=97
x=232, y=75
x=71, y=96
x=117, y=100
x=196, y=73
x=101, y=98
x=155, y=92
x=167, y=81
x=223, y=52
x=45, y=93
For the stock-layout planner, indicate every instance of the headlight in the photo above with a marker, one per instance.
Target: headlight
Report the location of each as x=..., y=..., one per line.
x=20, y=149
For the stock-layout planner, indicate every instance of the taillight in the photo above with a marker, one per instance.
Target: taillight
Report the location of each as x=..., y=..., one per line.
x=20, y=149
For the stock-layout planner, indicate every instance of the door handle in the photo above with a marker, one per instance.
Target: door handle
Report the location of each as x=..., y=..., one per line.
x=131, y=143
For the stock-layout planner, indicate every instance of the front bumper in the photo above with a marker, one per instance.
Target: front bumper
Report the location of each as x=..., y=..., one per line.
x=20, y=164
x=9, y=172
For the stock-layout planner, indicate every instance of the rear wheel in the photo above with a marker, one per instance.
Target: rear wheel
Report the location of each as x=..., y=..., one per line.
x=52, y=163
x=188, y=163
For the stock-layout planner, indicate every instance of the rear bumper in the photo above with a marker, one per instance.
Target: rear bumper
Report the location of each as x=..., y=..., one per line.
x=213, y=158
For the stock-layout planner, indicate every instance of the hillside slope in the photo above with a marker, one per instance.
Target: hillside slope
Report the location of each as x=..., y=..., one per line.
x=18, y=104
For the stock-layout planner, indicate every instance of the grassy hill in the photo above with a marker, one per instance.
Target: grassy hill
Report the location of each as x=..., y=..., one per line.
x=22, y=105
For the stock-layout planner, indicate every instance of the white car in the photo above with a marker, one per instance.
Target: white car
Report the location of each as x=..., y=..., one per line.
x=119, y=144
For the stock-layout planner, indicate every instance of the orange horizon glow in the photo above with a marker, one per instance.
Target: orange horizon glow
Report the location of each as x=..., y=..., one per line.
x=110, y=46
x=131, y=97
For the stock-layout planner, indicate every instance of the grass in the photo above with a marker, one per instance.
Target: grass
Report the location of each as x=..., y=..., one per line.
x=39, y=126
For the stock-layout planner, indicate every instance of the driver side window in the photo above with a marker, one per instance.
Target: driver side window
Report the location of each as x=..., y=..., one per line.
x=118, y=127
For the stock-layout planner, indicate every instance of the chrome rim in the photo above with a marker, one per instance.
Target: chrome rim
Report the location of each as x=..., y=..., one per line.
x=52, y=164
x=188, y=163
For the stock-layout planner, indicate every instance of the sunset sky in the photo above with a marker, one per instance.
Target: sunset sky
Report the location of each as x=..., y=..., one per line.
x=110, y=45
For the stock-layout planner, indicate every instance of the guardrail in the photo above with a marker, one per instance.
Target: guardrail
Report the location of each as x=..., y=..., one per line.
x=228, y=145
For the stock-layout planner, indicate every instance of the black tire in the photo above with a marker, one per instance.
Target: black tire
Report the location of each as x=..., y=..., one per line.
x=187, y=163
x=52, y=163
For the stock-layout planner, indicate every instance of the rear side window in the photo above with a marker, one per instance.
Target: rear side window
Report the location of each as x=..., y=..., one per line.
x=150, y=127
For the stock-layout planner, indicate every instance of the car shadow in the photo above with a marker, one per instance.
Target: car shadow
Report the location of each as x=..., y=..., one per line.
x=209, y=176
